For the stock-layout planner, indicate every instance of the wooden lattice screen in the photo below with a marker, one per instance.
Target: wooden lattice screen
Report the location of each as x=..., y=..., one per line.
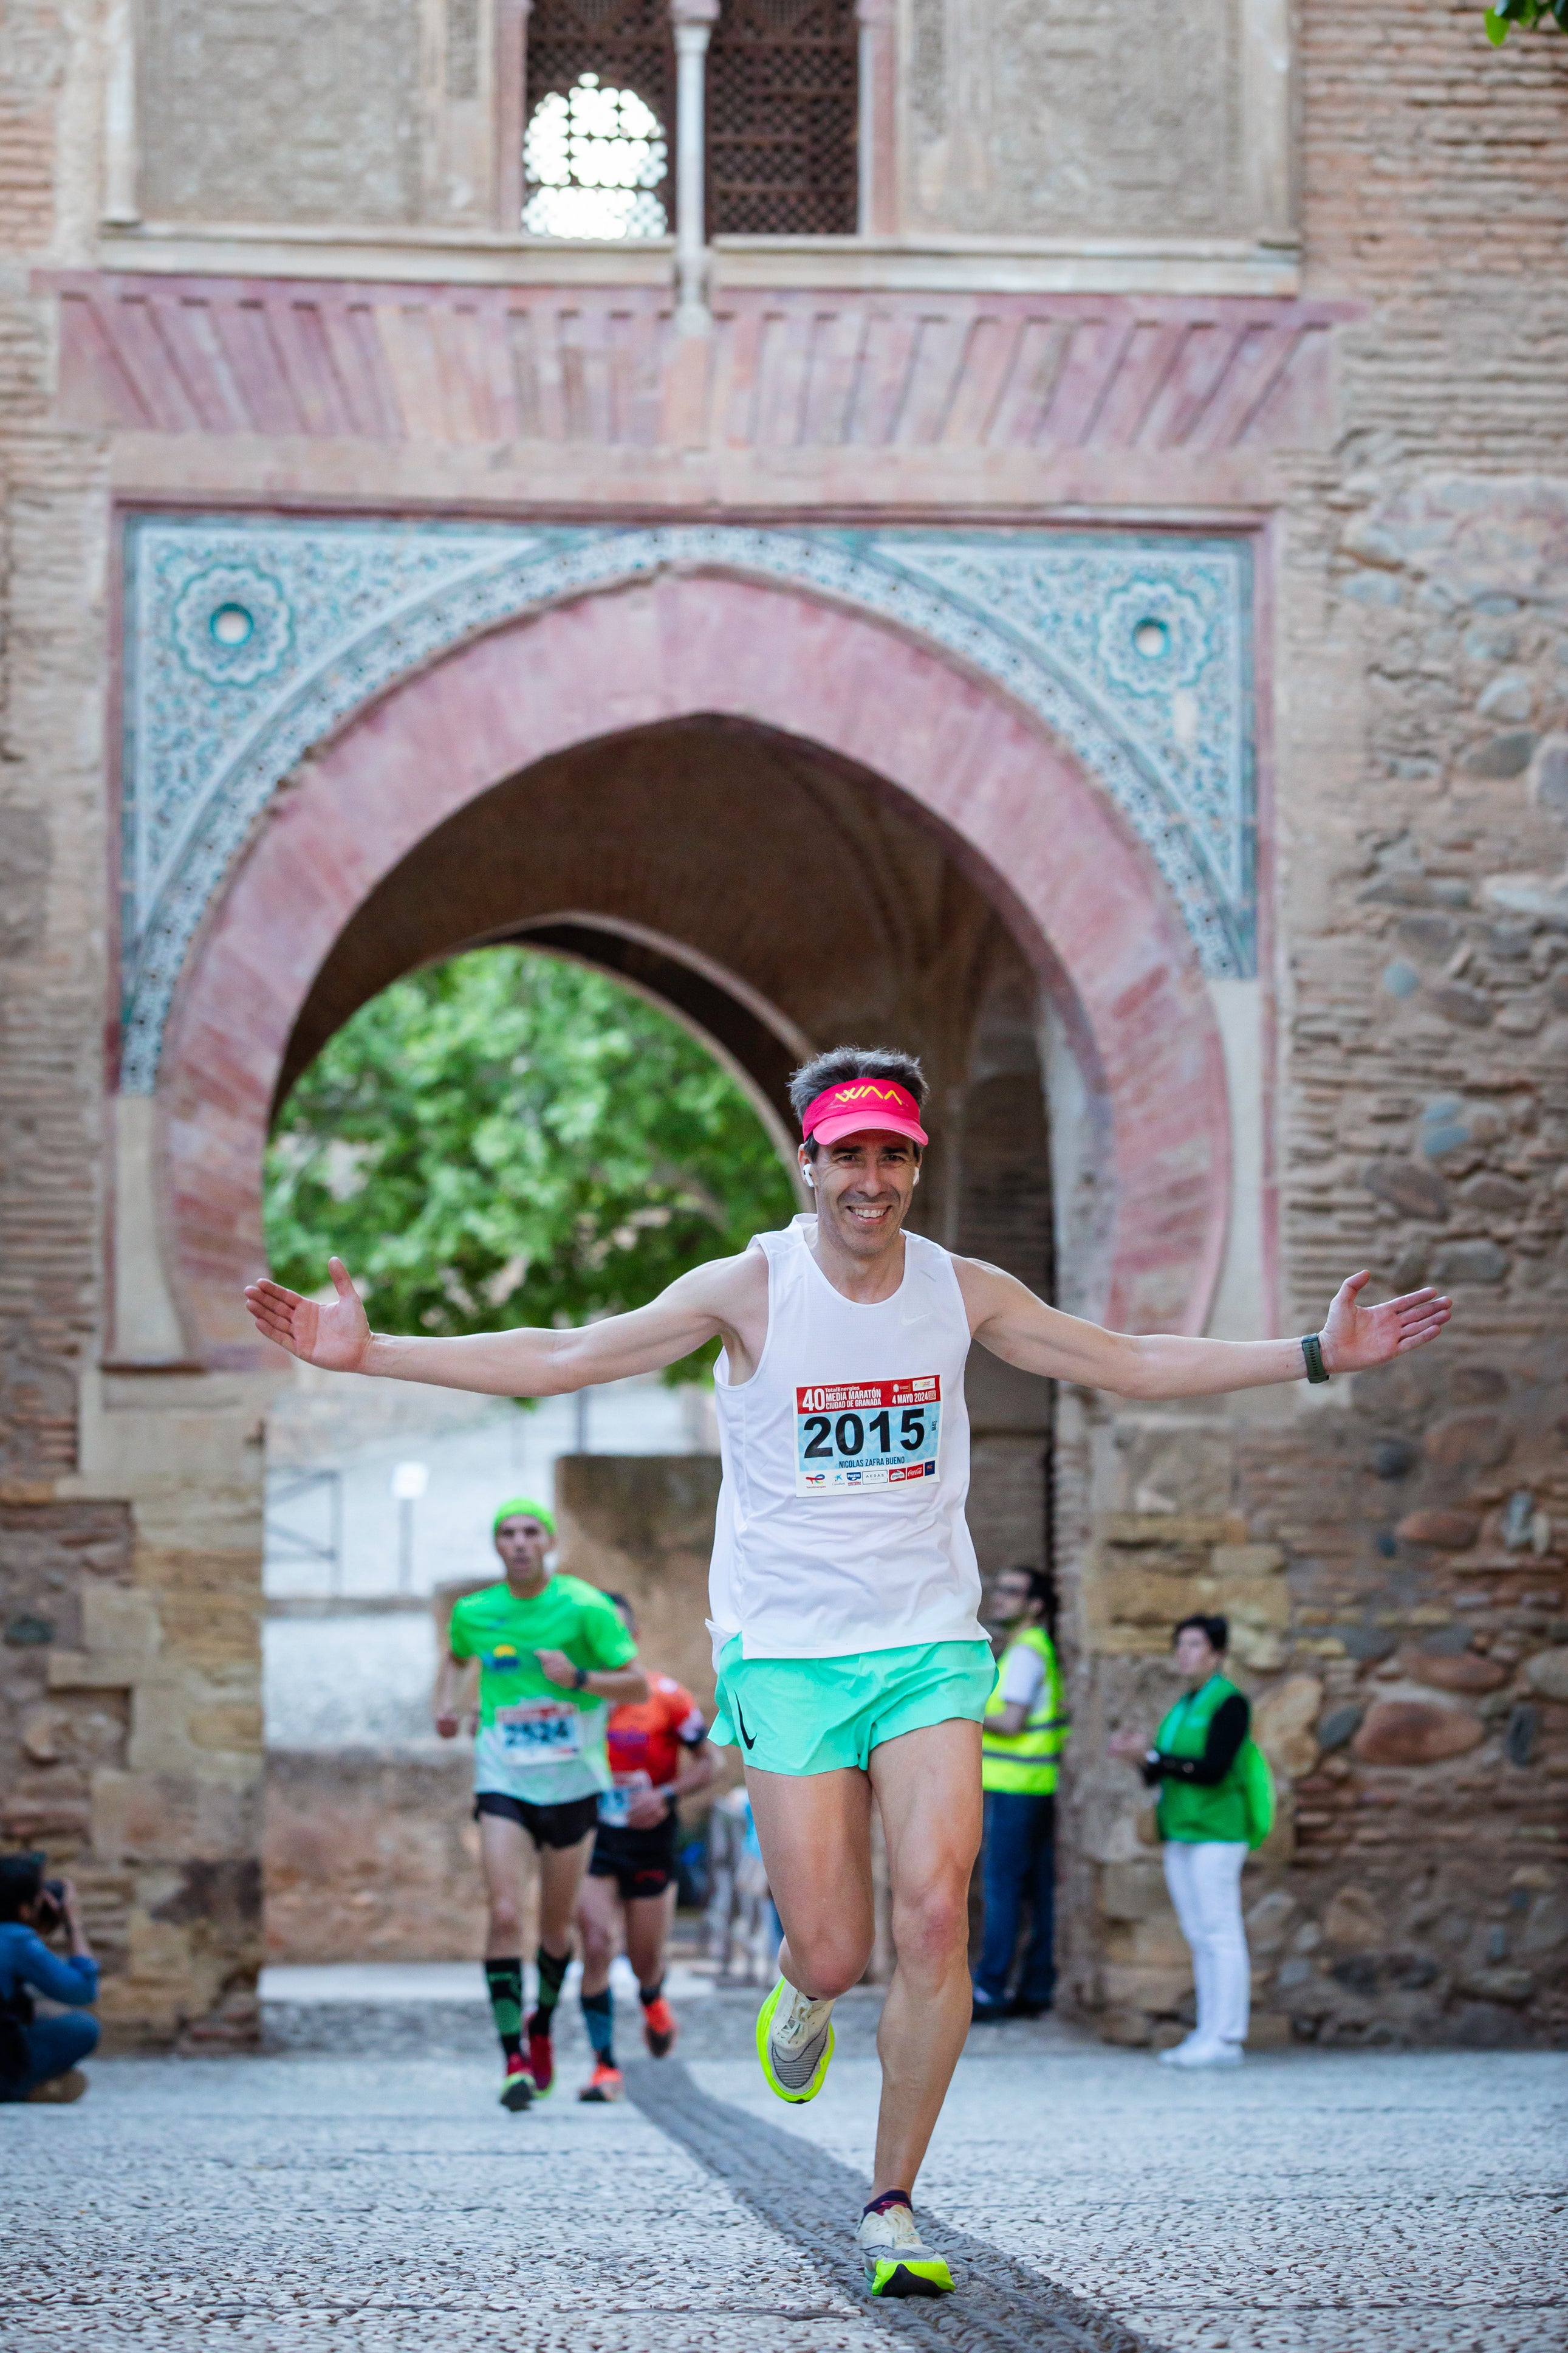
x=781, y=105
x=628, y=43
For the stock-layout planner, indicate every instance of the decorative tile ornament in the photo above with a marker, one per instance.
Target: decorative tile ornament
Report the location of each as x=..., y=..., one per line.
x=248, y=641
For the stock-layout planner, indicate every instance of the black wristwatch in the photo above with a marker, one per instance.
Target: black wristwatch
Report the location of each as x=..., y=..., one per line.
x=1312, y=1352
x=580, y=1679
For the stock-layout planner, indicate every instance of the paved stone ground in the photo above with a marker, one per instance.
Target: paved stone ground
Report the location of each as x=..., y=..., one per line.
x=370, y=2195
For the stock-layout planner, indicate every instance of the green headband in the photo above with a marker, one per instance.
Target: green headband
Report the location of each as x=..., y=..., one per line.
x=523, y=1507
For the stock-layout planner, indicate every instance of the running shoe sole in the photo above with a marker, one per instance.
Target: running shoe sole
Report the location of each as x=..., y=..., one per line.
x=908, y=2275
x=517, y=2094
x=765, y=2020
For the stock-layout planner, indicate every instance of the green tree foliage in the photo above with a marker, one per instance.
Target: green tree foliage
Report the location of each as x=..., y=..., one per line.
x=510, y=1139
x=1504, y=14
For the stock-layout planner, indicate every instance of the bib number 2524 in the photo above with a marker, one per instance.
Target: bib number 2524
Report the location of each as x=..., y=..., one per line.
x=858, y=1435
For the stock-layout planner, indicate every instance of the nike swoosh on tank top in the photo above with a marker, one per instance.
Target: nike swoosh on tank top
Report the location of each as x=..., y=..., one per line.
x=845, y=1467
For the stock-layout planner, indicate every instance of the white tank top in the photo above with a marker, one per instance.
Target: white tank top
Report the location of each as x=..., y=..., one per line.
x=845, y=1465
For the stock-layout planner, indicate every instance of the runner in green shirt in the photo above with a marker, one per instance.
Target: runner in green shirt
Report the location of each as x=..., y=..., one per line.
x=554, y=1657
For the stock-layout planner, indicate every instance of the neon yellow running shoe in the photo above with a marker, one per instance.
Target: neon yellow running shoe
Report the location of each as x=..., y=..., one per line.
x=898, y=2261
x=794, y=2053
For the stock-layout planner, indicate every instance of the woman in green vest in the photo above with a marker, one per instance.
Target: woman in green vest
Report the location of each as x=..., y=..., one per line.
x=1202, y=1763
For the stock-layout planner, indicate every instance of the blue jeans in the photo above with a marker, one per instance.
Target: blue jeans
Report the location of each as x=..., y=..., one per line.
x=1019, y=1867
x=54, y=2045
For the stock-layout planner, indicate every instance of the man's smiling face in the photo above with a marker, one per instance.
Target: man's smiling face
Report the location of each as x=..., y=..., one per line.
x=862, y=1185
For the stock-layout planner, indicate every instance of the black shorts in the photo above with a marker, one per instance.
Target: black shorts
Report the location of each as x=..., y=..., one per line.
x=555, y=1825
x=641, y=1863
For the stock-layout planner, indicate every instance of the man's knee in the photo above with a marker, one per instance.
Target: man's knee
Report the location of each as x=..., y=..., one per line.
x=598, y=1944
x=506, y=1917
x=930, y=1923
x=828, y=1964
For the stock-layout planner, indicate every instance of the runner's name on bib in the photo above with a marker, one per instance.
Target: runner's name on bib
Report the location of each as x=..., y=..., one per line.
x=858, y=1435
x=616, y=1803
x=541, y=1731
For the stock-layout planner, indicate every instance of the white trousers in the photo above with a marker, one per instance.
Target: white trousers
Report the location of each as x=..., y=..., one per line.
x=1205, y=1880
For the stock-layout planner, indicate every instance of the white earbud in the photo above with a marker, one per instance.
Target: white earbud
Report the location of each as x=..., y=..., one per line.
x=809, y=1178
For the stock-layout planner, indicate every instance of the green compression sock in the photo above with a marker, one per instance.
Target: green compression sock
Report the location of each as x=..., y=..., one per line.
x=504, y=1981
x=599, y=2018
x=553, y=1968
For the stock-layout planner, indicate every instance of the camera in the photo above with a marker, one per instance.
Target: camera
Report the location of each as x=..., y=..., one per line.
x=51, y=1911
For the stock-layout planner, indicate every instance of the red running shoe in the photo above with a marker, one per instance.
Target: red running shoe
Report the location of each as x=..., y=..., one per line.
x=540, y=2055
x=604, y=2083
x=659, y=2028
x=517, y=2086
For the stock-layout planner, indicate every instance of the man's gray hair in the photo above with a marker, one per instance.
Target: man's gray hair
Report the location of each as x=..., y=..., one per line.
x=841, y=1063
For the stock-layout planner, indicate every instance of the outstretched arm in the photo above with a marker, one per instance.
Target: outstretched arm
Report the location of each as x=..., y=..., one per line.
x=525, y=1363
x=1008, y=1319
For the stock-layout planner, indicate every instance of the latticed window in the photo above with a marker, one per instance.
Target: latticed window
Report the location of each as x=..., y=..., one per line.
x=600, y=115
x=782, y=104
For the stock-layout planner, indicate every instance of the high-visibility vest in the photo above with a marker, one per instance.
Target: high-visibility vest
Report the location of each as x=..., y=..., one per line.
x=1025, y=1764
x=1239, y=1807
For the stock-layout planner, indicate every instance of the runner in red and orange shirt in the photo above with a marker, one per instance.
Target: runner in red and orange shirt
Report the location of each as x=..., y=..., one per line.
x=658, y=1753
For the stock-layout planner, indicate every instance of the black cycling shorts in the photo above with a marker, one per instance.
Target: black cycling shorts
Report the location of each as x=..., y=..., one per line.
x=555, y=1825
x=641, y=1863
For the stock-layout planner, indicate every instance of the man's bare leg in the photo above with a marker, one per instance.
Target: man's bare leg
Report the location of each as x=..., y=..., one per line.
x=504, y=1857
x=599, y=1927
x=928, y=1789
x=560, y=1870
x=814, y=1830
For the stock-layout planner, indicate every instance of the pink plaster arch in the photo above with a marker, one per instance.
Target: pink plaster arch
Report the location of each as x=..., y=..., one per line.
x=1034, y=829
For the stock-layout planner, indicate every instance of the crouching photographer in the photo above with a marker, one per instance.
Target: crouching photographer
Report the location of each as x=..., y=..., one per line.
x=38, y=2055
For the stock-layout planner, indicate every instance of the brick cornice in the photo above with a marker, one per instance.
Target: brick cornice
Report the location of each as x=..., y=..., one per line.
x=993, y=376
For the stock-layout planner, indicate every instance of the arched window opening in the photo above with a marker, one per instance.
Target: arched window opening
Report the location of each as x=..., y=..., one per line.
x=599, y=114
x=594, y=161
x=783, y=108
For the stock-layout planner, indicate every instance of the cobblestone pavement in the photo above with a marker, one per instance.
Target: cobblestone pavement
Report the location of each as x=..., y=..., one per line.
x=369, y=2194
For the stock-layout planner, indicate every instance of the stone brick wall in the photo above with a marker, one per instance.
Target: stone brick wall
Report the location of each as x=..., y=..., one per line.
x=373, y=1858
x=1403, y=1608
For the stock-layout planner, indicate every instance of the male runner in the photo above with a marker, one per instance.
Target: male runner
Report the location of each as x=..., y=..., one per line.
x=552, y=1652
x=658, y=1753
x=844, y=1589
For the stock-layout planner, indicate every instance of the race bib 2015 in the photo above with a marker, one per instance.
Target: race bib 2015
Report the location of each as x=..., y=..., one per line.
x=865, y=1434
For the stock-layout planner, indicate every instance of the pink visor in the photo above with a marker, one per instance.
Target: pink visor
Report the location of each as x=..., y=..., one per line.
x=857, y=1105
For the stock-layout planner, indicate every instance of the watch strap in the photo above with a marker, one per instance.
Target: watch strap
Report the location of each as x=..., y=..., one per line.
x=1312, y=1351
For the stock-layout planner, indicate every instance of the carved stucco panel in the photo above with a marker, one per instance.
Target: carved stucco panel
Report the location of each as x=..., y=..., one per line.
x=281, y=110
x=1071, y=117
x=249, y=642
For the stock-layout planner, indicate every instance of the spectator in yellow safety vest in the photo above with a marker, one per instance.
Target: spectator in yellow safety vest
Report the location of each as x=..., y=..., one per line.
x=1022, y=1737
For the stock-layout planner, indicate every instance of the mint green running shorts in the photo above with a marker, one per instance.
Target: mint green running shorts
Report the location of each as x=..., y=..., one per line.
x=820, y=1715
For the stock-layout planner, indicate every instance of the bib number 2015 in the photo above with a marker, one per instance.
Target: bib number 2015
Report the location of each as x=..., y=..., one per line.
x=865, y=1434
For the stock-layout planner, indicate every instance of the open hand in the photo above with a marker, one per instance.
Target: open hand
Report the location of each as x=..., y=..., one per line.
x=1355, y=1338
x=1132, y=1747
x=334, y=1337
